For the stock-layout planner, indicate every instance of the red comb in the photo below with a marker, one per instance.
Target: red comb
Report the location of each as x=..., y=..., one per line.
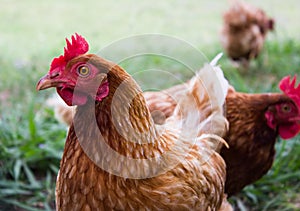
x=289, y=88
x=75, y=48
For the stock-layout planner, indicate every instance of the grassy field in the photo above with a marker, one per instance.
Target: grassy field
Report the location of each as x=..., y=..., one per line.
x=32, y=33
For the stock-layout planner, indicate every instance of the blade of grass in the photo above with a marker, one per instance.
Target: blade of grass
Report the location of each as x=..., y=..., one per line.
x=278, y=163
x=17, y=169
x=21, y=205
x=31, y=122
x=14, y=191
x=31, y=177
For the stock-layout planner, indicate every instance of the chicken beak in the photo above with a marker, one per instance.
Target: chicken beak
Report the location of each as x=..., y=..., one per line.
x=44, y=83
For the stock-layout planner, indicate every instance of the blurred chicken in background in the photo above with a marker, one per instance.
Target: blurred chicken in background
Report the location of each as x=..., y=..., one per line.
x=244, y=31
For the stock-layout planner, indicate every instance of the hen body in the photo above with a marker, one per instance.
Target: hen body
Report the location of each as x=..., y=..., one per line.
x=251, y=141
x=244, y=31
x=189, y=173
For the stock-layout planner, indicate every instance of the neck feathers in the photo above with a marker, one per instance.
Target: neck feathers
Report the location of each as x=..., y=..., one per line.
x=123, y=120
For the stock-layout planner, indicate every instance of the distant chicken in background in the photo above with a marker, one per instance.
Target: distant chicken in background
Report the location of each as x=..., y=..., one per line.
x=244, y=32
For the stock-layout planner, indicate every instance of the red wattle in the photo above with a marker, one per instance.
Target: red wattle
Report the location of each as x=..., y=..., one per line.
x=102, y=91
x=270, y=120
x=288, y=131
x=72, y=98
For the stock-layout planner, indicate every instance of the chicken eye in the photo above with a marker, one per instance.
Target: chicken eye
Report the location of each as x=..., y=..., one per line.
x=83, y=71
x=286, y=108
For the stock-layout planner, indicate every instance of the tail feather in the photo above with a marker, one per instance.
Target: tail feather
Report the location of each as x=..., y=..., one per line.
x=201, y=106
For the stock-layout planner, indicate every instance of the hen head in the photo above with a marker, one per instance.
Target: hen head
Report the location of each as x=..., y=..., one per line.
x=77, y=76
x=286, y=115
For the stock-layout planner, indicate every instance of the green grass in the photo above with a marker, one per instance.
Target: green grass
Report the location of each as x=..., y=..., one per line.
x=32, y=33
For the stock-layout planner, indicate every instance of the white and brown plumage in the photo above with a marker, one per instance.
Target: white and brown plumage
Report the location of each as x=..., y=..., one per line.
x=197, y=177
x=244, y=31
x=252, y=133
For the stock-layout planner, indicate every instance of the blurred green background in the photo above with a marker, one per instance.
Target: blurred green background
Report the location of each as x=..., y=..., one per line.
x=32, y=33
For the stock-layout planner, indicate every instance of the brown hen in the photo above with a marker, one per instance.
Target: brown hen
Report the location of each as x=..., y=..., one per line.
x=255, y=121
x=244, y=31
x=116, y=158
x=250, y=137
